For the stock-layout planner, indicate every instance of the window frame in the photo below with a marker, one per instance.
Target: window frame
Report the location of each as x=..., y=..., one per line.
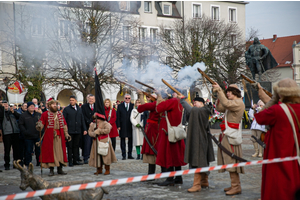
x=151, y=35
x=34, y=25
x=127, y=35
x=229, y=14
x=211, y=12
x=142, y=39
x=149, y=6
x=127, y=6
x=170, y=8
x=199, y=4
x=63, y=2
x=87, y=4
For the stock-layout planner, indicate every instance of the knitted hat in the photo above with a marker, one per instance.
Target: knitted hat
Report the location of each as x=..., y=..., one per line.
x=30, y=103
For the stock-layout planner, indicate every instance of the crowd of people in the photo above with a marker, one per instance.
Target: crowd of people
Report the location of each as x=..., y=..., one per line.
x=149, y=127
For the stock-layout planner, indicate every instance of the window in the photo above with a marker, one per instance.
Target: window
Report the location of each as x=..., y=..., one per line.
x=153, y=34
x=62, y=2
x=166, y=7
x=232, y=14
x=169, y=35
x=142, y=34
x=126, y=33
x=196, y=10
x=215, y=15
x=63, y=28
x=147, y=6
x=169, y=61
x=37, y=28
x=124, y=5
x=87, y=4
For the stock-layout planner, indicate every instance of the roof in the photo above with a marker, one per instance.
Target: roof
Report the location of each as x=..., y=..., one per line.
x=282, y=49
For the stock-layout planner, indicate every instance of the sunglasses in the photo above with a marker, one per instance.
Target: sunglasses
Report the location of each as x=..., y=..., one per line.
x=127, y=98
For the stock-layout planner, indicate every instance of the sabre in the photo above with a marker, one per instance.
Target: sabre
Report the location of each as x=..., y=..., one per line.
x=147, y=140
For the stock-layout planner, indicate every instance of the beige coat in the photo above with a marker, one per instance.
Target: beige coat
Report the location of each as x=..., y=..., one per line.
x=103, y=129
x=235, y=110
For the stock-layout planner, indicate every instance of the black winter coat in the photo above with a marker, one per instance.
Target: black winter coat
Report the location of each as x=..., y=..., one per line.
x=75, y=120
x=27, y=124
x=87, y=113
x=123, y=120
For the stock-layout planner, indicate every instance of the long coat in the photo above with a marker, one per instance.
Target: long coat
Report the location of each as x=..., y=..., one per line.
x=74, y=119
x=279, y=180
x=87, y=113
x=151, y=128
x=114, y=131
x=123, y=120
x=137, y=135
x=103, y=129
x=199, y=150
x=235, y=113
x=170, y=154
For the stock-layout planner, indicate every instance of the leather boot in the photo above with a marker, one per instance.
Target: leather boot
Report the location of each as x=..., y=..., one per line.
x=227, y=189
x=197, y=183
x=170, y=180
x=235, y=184
x=99, y=170
x=260, y=151
x=178, y=179
x=256, y=149
x=51, y=171
x=204, y=180
x=138, y=157
x=151, y=168
x=163, y=169
x=60, y=171
x=107, y=169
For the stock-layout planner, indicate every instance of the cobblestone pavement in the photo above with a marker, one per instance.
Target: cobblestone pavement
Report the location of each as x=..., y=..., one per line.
x=250, y=181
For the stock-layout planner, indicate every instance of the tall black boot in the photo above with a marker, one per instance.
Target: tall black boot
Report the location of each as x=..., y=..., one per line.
x=151, y=168
x=170, y=180
x=51, y=171
x=163, y=169
x=178, y=179
x=60, y=171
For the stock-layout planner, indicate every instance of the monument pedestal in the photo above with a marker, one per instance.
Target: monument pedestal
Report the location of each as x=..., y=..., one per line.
x=253, y=94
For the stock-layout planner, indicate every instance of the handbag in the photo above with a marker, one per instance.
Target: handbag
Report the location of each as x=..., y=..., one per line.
x=234, y=135
x=175, y=133
x=288, y=113
x=103, y=148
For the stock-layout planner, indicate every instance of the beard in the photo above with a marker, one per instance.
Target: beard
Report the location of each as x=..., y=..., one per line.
x=53, y=109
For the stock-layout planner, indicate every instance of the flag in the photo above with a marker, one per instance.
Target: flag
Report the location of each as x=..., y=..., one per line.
x=99, y=104
x=18, y=85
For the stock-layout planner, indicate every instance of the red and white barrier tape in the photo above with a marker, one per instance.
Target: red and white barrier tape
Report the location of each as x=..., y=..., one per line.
x=137, y=179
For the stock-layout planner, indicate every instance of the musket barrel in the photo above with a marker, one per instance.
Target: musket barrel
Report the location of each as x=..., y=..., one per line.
x=152, y=88
x=207, y=77
x=252, y=81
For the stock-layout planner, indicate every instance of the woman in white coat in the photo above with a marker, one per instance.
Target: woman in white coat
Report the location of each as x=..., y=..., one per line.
x=136, y=119
x=256, y=129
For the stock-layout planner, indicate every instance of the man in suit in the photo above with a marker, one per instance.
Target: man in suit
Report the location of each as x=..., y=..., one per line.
x=76, y=126
x=124, y=125
x=88, y=110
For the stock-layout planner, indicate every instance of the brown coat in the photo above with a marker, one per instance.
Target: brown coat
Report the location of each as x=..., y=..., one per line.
x=235, y=110
x=103, y=129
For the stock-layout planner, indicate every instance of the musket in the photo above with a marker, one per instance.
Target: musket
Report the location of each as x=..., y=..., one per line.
x=152, y=88
x=176, y=91
x=205, y=75
x=252, y=81
x=145, y=93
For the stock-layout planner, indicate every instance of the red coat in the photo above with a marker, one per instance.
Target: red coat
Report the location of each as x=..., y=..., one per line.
x=114, y=131
x=47, y=144
x=170, y=154
x=151, y=128
x=279, y=180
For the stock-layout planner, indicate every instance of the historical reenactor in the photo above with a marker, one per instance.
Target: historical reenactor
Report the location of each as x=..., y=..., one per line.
x=233, y=107
x=170, y=155
x=101, y=132
x=199, y=150
x=53, y=152
x=281, y=180
x=151, y=131
x=124, y=125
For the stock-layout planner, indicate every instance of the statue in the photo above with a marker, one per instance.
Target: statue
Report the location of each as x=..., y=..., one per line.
x=259, y=59
x=28, y=179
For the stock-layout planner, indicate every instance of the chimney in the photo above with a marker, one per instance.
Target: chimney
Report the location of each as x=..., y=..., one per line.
x=274, y=38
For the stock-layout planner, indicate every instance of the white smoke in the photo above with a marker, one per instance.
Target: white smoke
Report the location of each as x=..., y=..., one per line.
x=187, y=75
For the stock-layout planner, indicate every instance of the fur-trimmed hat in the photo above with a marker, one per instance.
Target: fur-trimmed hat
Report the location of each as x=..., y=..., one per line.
x=287, y=88
x=52, y=101
x=235, y=90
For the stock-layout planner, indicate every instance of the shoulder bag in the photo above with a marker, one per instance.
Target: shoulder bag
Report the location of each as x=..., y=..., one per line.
x=175, y=133
x=234, y=135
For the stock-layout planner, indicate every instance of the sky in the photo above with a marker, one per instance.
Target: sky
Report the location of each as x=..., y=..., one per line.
x=273, y=17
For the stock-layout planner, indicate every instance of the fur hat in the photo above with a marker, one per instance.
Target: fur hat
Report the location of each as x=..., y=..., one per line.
x=235, y=90
x=287, y=88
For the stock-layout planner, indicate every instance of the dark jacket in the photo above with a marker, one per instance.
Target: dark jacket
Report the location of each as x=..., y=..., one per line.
x=27, y=124
x=87, y=113
x=123, y=120
x=74, y=119
x=13, y=117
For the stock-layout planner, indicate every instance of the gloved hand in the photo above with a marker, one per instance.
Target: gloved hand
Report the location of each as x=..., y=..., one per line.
x=39, y=126
x=68, y=138
x=138, y=126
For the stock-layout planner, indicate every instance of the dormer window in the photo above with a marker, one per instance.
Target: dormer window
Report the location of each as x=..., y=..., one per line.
x=124, y=5
x=147, y=6
x=167, y=8
x=87, y=4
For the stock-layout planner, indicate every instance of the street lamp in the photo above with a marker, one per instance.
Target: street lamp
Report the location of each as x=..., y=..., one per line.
x=5, y=81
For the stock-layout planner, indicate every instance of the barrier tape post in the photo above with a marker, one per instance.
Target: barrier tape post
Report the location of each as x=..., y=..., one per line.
x=138, y=179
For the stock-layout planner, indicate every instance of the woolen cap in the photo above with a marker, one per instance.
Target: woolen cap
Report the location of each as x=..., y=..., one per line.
x=30, y=103
x=200, y=99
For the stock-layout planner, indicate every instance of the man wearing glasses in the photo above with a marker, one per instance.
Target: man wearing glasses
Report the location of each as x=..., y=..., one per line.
x=124, y=125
